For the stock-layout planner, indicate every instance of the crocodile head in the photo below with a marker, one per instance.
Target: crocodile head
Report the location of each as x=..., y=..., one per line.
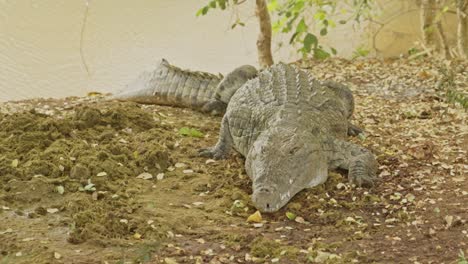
x=281, y=163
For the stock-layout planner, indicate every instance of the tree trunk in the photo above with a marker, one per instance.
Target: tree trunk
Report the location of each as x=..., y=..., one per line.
x=462, y=32
x=428, y=8
x=443, y=40
x=265, y=58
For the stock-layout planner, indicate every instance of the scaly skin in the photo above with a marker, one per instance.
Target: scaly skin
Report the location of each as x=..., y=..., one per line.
x=291, y=129
x=170, y=85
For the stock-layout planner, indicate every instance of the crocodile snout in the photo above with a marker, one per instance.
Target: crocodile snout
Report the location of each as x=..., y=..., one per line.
x=266, y=198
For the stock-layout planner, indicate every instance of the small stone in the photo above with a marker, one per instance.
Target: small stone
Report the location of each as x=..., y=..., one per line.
x=187, y=171
x=57, y=255
x=124, y=221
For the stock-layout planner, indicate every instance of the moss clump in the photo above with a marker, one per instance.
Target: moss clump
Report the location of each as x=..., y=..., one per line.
x=262, y=248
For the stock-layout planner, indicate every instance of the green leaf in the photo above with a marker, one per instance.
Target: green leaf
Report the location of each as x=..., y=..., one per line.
x=333, y=50
x=320, y=15
x=190, y=132
x=323, y=31
x=14, y=163
x=290, y=216
x=213, y=4
x=203, y=11
x=321, y=54
x=342, y=22
x=309, y=40
x=272, y=5
x=222, y=4
x=301, y=27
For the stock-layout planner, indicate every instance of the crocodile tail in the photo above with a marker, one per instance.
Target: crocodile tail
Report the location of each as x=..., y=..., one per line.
x=171, y=85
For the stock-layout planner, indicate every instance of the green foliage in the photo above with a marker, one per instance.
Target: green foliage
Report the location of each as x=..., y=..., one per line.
x=462, y=259
x=360, y=52
x=447, y=84
x=213, y=4
x=190, y=132
x=296, y=17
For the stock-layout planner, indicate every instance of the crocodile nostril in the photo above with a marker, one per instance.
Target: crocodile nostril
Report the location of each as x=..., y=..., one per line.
x=268, y=205
x=265, y=190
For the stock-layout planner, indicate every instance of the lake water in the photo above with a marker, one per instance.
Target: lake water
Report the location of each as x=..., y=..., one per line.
x=44, y=51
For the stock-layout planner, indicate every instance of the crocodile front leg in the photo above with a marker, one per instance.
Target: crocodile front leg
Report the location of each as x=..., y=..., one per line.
x=224, y=145
x=359, y=162
x=353, y=130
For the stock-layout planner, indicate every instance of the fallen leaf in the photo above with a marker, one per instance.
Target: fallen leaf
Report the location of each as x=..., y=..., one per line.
x=290, y=216
x=60, y=189
x=145, y=176
x=255, y=217
x=52, y=210
x=160, y=176
x=101, y=174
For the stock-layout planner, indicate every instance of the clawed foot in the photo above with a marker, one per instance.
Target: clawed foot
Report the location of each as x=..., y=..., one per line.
x=211, y=153
x=354, y=130
x=363, y=174
x=362, y=180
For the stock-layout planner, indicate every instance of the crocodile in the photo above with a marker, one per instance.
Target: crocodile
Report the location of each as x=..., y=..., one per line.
x=173, y=86
x=291, y=128
x=206, y=92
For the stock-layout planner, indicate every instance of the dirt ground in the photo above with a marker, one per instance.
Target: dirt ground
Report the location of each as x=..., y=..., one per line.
x=84, y=180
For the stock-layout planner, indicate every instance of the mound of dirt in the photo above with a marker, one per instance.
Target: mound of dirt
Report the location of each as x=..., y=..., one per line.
x=85, y=152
